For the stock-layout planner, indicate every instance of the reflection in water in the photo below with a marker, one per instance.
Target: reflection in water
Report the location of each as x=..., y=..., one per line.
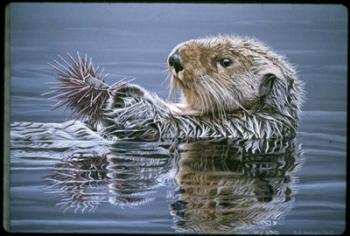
x=222, y=186
x=124, y=177
x=226, y=186
x=79, y=179
x=134, y=173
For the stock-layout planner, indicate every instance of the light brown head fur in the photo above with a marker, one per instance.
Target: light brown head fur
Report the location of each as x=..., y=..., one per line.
x=225, y=74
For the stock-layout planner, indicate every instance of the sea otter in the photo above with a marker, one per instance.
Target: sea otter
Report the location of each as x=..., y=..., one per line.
x=231, y=87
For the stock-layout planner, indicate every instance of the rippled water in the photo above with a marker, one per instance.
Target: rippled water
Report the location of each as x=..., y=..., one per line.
x=64, y=178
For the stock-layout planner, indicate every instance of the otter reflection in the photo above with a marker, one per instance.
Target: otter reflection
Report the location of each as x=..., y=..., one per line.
x=122, y=176
x=221, y=186
x=231, y=186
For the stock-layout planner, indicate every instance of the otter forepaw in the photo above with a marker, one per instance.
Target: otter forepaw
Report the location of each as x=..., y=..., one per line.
x=182, y=110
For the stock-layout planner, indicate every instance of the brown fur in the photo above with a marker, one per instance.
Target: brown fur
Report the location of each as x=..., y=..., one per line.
x=237, y=85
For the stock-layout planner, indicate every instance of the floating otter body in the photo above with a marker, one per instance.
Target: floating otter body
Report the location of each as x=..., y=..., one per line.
x=232, y=87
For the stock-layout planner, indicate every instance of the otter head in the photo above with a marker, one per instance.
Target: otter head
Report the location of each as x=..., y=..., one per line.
x=224, y=75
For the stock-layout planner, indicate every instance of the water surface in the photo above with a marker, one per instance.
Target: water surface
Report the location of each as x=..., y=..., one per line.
x=83, y=184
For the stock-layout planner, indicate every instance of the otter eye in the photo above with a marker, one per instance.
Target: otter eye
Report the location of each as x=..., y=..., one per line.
x=225, y=62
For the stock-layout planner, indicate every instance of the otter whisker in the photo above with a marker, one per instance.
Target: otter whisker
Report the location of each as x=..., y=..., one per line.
x=167, y=80
x=222, y=97
x=204, y=97
x=217, y=97
x=173, y=89
x=210, y=99
x=203, y=101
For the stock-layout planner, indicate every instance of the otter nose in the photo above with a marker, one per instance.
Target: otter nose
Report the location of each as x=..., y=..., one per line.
x=174, y=61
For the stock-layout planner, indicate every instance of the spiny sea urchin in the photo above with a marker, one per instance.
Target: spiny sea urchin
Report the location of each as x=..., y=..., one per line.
x=81, y=87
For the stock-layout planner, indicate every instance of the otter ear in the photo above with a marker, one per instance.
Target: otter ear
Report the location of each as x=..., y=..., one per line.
x=267, y=84
x=272, y=93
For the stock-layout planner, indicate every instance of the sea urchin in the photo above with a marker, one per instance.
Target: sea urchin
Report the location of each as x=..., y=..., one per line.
x=81, y=87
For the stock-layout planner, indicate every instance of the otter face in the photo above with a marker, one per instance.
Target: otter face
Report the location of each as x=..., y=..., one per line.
x=221, y=74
